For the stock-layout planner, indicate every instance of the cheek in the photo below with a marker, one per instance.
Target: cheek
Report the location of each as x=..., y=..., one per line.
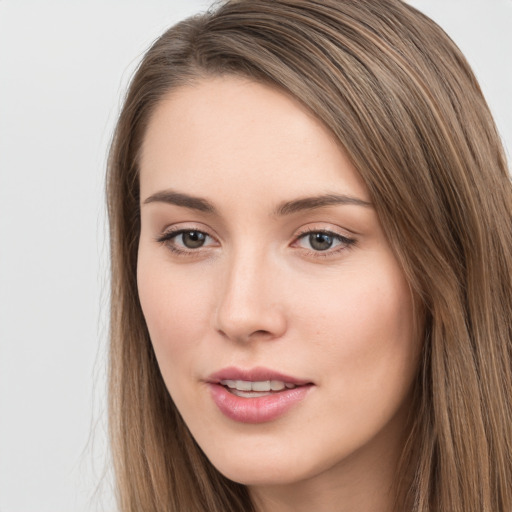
x=175, y=309
x=364, y=335
x=367, y=307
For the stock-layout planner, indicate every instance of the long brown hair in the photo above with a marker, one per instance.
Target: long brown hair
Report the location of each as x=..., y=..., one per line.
x=403, y=102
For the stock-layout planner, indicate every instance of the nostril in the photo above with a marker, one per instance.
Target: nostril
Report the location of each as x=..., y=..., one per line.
x=261, y=333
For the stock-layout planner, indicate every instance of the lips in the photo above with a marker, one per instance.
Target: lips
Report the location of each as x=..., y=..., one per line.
x=257, y=395
x=257, y=374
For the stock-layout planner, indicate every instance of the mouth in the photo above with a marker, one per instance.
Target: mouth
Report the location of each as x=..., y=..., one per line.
x=255, y=380
x=258, y=395
x=255, y=389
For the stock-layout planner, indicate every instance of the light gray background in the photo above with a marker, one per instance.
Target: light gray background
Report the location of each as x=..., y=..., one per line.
x=63, y=67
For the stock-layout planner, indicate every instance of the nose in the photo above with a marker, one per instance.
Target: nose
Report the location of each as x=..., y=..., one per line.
x=250, y=304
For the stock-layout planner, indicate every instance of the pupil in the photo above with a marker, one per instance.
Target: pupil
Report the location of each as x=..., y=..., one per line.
x=193, y=239
x=320, y=241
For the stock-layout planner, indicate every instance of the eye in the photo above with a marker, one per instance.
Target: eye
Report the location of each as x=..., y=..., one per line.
x=191, y=239
x=185, y=240
x=323, y=241
x=320, y=241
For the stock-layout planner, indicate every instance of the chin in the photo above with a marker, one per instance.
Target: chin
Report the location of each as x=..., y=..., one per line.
x=262, y=467
x=262, y=475
x=255, y=467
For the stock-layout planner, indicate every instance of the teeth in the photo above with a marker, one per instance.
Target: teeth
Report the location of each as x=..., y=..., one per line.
x=250, y=394
x=243, y=385
x=277, y=385
x=258, y=386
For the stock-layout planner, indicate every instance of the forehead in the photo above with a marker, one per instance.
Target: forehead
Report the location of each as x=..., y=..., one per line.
x=236, y=133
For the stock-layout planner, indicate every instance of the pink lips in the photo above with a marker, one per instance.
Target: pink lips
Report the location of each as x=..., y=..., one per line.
x=258, y=409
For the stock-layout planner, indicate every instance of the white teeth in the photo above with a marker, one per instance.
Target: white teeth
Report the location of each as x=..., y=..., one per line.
x=243, y=385
x=277, y=385
x=261, y=386
x=258, y=386
x=250, y=394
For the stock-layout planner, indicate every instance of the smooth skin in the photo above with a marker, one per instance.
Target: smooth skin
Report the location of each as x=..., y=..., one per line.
x=261, y=278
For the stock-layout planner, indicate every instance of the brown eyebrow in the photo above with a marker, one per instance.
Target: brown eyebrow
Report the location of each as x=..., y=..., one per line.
x=180, y=199
x=286, y=208
x=310, y=203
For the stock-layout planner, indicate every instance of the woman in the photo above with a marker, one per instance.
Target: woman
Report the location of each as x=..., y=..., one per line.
x=311, y=268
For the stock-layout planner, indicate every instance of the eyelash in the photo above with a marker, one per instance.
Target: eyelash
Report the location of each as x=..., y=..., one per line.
x=168, y=237
x=346, y=243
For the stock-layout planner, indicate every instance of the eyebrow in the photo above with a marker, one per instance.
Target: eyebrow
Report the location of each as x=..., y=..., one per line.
x=311, y=203
x=180, y=199
x=285, y=208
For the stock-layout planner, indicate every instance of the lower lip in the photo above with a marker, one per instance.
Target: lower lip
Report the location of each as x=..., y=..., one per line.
x=258, y=409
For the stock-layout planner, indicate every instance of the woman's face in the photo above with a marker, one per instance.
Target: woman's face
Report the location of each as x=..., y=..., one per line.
x=281, y=320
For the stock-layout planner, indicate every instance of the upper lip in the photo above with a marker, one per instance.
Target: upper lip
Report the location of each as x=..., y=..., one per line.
x=256, y=374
